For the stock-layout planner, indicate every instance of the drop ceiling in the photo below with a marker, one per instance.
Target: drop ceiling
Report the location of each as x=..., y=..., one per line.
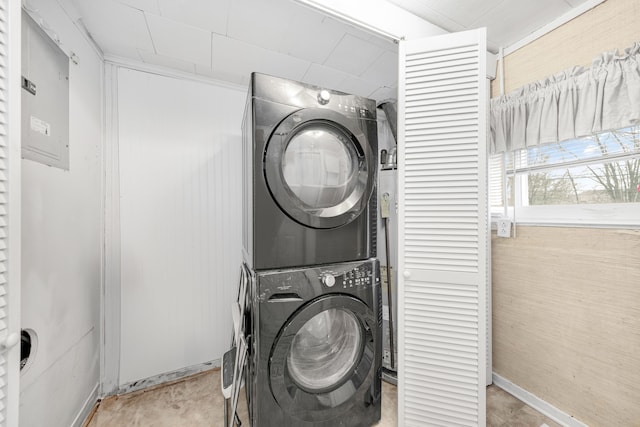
x=228, y=39
x=507, y=21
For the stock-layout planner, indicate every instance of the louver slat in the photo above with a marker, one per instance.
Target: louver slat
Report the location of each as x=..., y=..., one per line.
x=8, y=372
x=442, y=247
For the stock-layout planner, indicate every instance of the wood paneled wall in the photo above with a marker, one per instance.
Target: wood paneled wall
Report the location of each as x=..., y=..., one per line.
x=566, y=319
x=566, y=301
x=611, y=25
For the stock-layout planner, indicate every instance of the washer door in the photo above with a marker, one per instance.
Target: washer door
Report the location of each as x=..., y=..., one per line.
x=319, y=168
x=322, y=357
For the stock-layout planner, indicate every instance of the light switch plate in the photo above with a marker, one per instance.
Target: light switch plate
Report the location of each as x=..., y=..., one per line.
x=504, y=228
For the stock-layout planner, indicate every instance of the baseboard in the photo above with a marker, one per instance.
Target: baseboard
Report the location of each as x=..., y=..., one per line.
x=536, y=403
x=167, y=377
x=88, y=406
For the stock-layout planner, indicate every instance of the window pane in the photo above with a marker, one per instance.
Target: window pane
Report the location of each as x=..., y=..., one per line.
x=496, y=180
x=498, y=168
x=511, y=191
x=619, y=141
x=613, y=182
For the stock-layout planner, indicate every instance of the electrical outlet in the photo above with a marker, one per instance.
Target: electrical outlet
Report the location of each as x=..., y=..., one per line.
x=504, y=228
x=386, y=357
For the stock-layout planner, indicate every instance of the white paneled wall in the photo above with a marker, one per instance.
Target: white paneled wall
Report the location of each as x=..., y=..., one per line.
x=62, y=248
x=180, y=202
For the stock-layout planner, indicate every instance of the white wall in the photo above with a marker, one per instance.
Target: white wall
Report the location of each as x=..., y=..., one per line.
x=61, y=248
x=180, y=174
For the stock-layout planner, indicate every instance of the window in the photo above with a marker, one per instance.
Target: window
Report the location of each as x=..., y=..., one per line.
x=591, y=180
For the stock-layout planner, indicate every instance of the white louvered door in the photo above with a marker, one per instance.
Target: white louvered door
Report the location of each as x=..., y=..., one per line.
x=9, y=211
x=443, y=230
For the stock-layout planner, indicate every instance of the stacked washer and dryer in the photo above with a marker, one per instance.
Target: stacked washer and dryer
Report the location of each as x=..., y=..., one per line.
x=309, y=241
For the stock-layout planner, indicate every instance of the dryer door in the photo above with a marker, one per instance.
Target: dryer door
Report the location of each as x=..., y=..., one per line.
x=319, y=168
x=322, y=357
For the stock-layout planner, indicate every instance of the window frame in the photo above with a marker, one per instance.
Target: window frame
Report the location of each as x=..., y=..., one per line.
x=625, y=215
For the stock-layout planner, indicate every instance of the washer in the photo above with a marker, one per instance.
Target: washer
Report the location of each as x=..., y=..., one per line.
x=310, y=157
x=315, y=355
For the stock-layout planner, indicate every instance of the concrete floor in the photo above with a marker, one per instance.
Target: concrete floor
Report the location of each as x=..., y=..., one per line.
x=197, y=401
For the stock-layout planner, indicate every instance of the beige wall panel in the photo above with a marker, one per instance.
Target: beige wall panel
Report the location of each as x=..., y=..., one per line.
x=566, y=301
x=566, y=319
x=614, y=24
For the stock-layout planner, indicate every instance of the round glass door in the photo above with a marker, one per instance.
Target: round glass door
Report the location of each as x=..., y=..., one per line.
x=319, y=168
x=325, y=350
x=323, y=356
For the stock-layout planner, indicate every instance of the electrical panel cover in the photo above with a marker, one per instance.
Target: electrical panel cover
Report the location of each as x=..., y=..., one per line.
x=45, y=97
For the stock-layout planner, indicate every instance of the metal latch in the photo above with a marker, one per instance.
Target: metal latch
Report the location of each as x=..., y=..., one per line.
x=28, y=85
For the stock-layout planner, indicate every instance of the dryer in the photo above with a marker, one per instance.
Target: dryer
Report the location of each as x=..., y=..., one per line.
x=315, y=353
x=309, y=168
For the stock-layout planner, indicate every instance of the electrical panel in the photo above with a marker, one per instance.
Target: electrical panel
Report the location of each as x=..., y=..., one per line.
x=45, y=97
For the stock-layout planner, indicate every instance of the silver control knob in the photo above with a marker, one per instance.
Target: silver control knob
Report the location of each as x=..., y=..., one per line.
x=328, y=280
x=324, y=96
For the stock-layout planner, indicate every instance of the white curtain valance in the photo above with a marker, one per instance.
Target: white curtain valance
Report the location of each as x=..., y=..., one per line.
x=572, y=104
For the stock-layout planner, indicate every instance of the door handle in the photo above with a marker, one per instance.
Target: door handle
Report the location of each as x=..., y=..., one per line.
x=10, y=341
x=406, y=274
x=287, y=297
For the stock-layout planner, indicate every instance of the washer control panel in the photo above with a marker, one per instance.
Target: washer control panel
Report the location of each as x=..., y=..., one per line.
x=349, y=105
x=356, y=277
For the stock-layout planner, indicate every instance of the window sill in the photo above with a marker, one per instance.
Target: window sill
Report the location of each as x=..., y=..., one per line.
x=597, y=216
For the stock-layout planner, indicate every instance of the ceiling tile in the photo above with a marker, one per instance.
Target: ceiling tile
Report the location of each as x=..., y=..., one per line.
x=122, y=51
x=353, y=55
x=150, y=6
x=428, y=10
x=165, y=61
x=102, y=17
x=308, y=37
x=501, y=28
x=384, y=71
x=284, y=38
x=465, y=12
x=240, y=58
x=180, y=41
x=68, y=6
x=357, y=86
x=259, y=22
x=205, y=14
x=326, y=77
x=339, y=26
x=384, y=43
